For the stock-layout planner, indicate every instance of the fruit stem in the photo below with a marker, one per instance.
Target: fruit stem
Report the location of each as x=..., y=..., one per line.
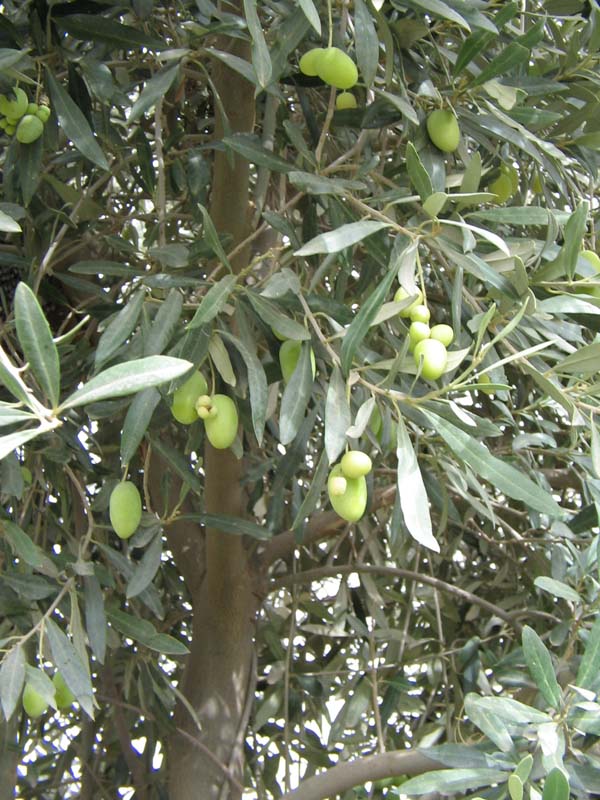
x=330, y=23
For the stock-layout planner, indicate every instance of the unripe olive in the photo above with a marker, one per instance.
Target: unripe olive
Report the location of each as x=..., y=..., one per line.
x=345, y=100
x=3, y=123
x=64, y=696
x=43, y=113
x=435, y=358
x=416, y=333
x=29, y=129
x=32, y=108
x=502, y=187
x=289, y=354
x=420, y=313
x=402, y=294
x=183, y=406
x=355, y=463
x=222, y=422
x=10, y=129
x=482, y=380
x=352, y=503
x=33, y=702
x=309, y=63
x=125, y=509
x=443, y=333
x=443, y=130
x=337, y=68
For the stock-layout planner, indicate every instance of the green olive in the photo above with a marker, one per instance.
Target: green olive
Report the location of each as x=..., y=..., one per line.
x=420, y=313
x=435, y=358
x=32, y=108
x=345, y=100
x=337, y=68
x=64, y=696
x=30, y=129
x=289, y=355
x=221, y=423
x=443, y=333
x=43, y=113
x=33, y=702
x=443, y=130
x=183, y=406
x=355, y=463
x=309, y=63
x=125, y=509
x=352, y=503
x=402, y=294
x=416, y=333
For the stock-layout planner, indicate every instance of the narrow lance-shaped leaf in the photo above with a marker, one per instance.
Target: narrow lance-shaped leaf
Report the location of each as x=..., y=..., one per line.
x=295, y=397
x=450, y=781
x=342, y=237
x=311, y=14
x=69, y=664
x=257, y=380
x=589, y=666
x=556, y=786
x=146, y=568
x=36, y=340
x=367, y=42
x=337, y=415
x=502, y=476
x=95, y=616
x=164, y=324
x=155, y=89
x=417, y=173
x=539, y=664
x=136, y=422
x=412, y=493
x=361, y=323
x=260, y=52
x=74, y=123
x=118, y=329
x=12, y=676
x=213, y=301
x=128, y=378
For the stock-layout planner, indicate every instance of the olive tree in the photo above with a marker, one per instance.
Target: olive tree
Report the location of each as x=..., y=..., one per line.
x=299, y=467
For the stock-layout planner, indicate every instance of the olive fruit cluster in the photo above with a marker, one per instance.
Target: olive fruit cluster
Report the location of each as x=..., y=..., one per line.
x=20, y=117
x=424, y=342
x=332, y=65
x=35, y=705
x=443, y=130
x=220, y=417
x=347, y=487
x=125, y=509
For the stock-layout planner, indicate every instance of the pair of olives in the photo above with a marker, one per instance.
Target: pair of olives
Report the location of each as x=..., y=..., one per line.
x=332, y=65
x=347, y=486
x=35, y=705
x=20, y=117
x=218, y=411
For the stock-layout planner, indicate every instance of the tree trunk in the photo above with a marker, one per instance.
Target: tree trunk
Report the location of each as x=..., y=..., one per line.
x=218, y=679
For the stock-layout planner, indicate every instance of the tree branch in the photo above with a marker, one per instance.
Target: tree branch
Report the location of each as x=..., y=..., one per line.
x=395, y=572
x=345, y=776
x=321, y=526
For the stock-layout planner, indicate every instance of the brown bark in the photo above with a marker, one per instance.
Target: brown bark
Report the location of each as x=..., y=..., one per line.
x=218, y=679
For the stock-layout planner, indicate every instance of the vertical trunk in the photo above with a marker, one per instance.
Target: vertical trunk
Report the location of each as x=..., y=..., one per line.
x=219, y=675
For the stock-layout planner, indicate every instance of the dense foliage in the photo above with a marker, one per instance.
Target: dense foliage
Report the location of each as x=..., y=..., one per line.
x=196, y=202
